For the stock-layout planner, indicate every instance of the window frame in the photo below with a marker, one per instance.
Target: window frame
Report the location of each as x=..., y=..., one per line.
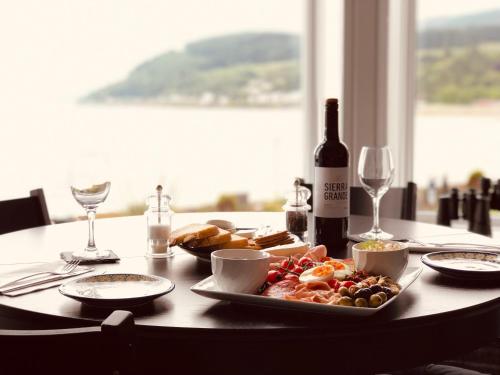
x=378, y=79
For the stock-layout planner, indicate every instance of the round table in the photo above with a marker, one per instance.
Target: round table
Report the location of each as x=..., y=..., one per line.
x=425, y=323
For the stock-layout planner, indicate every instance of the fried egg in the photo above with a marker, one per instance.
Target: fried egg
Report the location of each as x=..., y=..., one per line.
x=341, y=270
x=320, y=273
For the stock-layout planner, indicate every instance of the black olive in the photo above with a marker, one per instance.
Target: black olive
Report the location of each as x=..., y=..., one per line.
x=363, y=293
x=375, y=288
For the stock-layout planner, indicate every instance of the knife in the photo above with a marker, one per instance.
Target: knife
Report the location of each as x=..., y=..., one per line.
x=45, y=280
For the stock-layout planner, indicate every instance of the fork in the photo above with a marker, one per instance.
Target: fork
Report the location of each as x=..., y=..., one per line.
x=63, y=270
x=446, y=244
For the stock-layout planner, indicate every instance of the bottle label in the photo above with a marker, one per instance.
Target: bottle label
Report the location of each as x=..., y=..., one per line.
x=331, y=192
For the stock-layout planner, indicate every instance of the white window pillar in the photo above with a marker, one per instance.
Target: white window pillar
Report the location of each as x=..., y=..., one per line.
x=310, y=82
x=365, y=76
x=402, y=90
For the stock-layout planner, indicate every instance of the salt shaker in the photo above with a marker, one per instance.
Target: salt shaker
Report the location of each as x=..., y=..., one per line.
x=159, y=220
x=296, y=209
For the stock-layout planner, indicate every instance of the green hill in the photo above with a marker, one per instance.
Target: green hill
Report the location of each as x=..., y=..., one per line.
x=459, y=59
x=239, y=69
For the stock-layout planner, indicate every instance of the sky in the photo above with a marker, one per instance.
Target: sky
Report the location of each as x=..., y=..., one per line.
x=428, y=9
x=99, y=41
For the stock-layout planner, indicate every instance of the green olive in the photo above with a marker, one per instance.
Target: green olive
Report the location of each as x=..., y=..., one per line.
x=383, y=296
x=343, y=291
x=345, y=301
x=353, y=289
x=375, y=300
x=361, y=302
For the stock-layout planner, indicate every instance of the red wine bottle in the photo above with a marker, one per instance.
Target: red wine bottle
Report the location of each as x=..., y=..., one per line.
x=331, y=186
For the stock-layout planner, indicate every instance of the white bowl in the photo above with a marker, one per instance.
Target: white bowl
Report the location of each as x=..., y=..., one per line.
x=223, y=224
x=240, y=270
x=391, y=262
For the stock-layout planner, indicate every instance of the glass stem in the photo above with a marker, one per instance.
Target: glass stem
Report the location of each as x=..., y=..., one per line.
x=375, y=227
x=91, y=218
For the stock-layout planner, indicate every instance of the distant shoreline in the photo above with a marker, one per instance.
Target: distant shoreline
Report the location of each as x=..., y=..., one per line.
x=158, y=104
x=489, y=109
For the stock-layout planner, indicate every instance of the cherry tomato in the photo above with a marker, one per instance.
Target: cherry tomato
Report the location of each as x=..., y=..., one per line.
x=274, y=266
x=347, y=284
x=287, y=264
x=291, y=276
x=273, y=276
x=334, y=284
x=305, y=260
x=298, y=269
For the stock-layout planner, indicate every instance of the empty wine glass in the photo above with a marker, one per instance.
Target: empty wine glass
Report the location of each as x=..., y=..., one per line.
x=89, y=188
x=376, y=172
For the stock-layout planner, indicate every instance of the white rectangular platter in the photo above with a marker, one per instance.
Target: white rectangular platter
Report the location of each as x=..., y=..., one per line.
x=207, y=288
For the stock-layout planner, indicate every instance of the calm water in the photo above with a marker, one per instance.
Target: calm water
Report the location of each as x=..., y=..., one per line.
x=197, y=153
x=201, y=153
x=455, y=146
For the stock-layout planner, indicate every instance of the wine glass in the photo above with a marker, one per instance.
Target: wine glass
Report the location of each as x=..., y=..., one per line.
x=89, y=188
x=376, y=172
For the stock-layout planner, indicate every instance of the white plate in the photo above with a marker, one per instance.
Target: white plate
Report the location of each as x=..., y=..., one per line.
x=117, y=290
x=208, y=289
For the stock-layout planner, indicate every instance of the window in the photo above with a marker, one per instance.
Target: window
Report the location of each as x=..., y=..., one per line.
x=457, y=119
x=203, y=98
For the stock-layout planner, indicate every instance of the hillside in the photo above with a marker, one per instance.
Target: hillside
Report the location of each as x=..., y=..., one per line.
x=239, y=69
x=458, y=63
x=482, y=19
x=459, y=59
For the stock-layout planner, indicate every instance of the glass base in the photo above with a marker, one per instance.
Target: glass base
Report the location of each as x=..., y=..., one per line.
x=91, y=254
x=379, y=235
x=167, y=254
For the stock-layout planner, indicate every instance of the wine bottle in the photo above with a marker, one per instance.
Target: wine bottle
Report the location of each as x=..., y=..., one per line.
x=331, y=186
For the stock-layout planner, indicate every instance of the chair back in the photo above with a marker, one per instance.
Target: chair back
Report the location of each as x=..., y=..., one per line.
x=105, y=349
x=24, y=213
x=397, y=203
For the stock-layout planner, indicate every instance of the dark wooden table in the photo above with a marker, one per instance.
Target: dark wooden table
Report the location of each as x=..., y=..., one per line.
x=435, y=318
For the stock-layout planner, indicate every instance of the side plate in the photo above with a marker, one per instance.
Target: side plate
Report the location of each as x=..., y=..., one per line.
x=466, y=264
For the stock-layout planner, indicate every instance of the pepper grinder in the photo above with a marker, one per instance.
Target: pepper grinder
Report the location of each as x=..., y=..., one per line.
x=471, y=208
x=296, y=209
x=482, y=222
x=158, y=220
x=454, y=199
x=495, y=197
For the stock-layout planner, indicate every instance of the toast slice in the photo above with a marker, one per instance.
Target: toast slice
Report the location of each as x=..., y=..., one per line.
x=221, y=237
x=192, y=232
x=236, y=242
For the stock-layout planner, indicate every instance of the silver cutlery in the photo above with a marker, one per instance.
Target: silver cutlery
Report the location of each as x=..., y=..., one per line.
x=63, y=270
x=50, y=279
x=453, y=244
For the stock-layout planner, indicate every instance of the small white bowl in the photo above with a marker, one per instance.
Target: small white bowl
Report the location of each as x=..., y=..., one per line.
x=223, y=224
x=247, y=233
x=240, y=270
x=391, y=262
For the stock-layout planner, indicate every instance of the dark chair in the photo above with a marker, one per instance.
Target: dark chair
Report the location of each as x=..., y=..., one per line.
x=24, y=213
x=105, y=349
x=397, y=203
